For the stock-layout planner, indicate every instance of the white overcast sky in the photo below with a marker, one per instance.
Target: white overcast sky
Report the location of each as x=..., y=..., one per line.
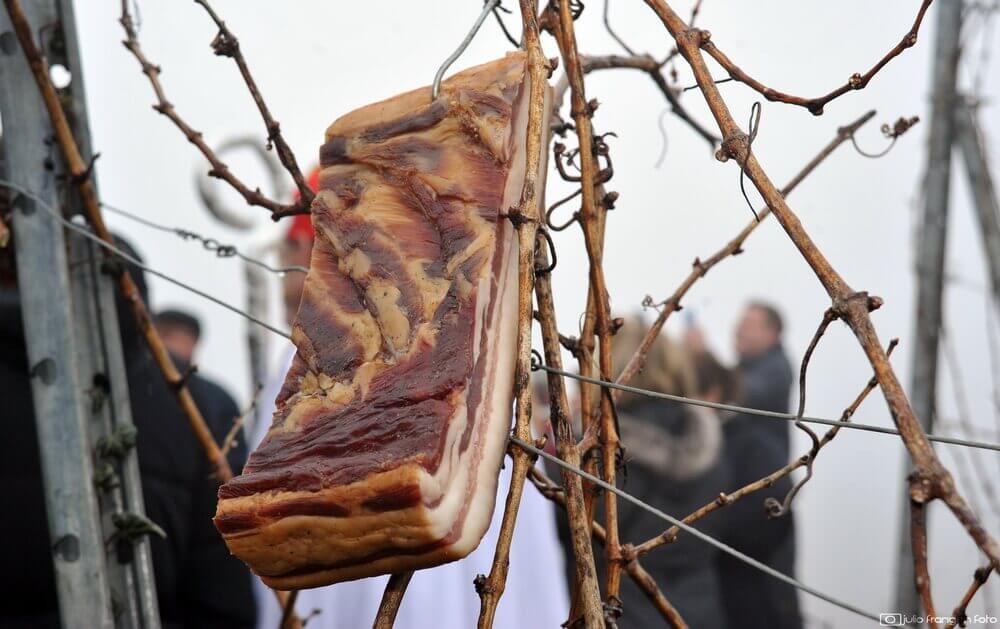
x=317, y=60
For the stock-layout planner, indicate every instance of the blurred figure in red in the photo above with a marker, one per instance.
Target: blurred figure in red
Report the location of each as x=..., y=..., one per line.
x=296, y=250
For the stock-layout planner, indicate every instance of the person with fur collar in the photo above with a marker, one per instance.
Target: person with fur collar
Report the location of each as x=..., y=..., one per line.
x=673, y=456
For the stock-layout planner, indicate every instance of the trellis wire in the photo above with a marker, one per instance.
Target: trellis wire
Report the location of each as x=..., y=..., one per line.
x=209, y=243
x=693, y=531
x=86, y=233
x=213, y=245
x=537, y=365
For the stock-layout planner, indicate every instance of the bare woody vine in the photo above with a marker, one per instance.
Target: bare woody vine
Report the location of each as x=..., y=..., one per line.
x=597, y=452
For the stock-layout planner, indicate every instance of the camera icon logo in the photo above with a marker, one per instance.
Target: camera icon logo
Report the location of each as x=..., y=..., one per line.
x=894, y=619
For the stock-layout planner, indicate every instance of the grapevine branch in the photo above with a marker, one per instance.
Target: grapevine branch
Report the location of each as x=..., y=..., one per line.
x=978, y=580
x=671, y=534
x=599, y=448
x=592, y=224
x=226, y=44
x=286, y=600
x=80, y=176
x=930, y=480
x=219, y=168
x=857, y=81
x=918, y=542
x=391, y=600
x=652, y=68
x=525, y=218
x=78, y=169
x=583, y=348
x=645, y=582
x=230, y=441
x=586, y=595
x=776, y=509
x=734, y=247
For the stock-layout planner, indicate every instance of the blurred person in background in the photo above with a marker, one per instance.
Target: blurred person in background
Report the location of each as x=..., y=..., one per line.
x=536, y=593
x=180, y=332
x=673, y=458
x=755, y=447
x=296, y=250
x=198, y=583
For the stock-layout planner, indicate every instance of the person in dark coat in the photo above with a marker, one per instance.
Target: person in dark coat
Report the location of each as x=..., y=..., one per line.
x=198, y=583
x=673, y=455
x=755, y=447
x=180, y=332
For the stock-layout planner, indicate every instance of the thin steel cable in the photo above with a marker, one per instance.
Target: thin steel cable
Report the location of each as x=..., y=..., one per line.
x=211, y=244
x=693, y=531
x=487, y=9
x=537, y=364
x=86, y=233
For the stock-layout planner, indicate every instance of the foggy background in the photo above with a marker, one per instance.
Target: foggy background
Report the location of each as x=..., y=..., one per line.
x=317, y=60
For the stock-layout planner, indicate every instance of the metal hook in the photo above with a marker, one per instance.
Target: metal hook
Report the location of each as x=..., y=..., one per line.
x=487, y=9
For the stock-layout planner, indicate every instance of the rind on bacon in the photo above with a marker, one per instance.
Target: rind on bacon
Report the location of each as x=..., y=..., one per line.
x=391, y=426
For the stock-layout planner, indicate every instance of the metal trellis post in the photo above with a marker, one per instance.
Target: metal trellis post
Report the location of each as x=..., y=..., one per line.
x=984, y=195
x=930, y=258
x=79, y=386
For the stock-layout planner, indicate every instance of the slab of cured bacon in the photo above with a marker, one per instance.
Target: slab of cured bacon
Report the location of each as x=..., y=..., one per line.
x=390, y=429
